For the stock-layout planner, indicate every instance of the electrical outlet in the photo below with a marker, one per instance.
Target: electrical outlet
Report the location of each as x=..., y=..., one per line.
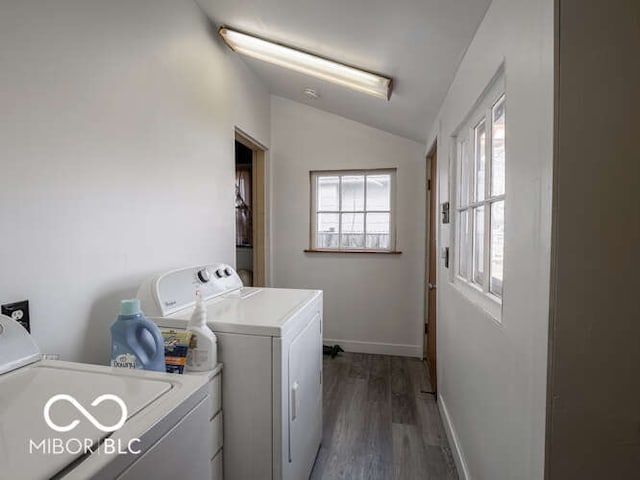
x=19, y=311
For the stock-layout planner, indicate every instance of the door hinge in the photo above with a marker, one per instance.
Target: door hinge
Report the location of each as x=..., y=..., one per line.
x=425, y=328
x=429, y=184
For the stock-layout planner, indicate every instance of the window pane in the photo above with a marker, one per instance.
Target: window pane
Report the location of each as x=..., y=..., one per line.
x=478, y=245
x=352, y=230
x=378, y=230
x=463, y=172
x=497, y=247
x=464, y=236
x=328, y=188
x=379, y=192
x=497, y=148
x=327, y=234
x=352, y=192
x=480, y=135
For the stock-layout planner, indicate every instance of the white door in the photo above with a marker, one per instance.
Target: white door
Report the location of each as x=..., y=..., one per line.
x=305, y=399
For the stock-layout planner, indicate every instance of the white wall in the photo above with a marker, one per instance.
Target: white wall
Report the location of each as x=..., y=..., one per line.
x=491, y=376
x=373, y=303
x=116, y=141
x=594, y=424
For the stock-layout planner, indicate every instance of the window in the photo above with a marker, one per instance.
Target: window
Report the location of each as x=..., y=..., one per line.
x=480, y=187
x=353, y=210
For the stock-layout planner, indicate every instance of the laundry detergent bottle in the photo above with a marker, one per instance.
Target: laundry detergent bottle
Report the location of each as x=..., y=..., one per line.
x=203, y=350
x=136, y=342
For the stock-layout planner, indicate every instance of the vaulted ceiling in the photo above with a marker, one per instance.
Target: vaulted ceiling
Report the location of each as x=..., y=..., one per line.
x=417, y=42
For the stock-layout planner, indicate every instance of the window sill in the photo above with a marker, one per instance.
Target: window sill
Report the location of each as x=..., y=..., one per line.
x=488, y=303
x=376, y=252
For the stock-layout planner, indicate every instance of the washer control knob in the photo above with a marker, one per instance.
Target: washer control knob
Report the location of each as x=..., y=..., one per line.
x=228, y=272
x=219, y=273
x=203, y=275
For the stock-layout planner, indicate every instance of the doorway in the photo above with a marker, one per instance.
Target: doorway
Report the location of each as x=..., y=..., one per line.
x=250, y=210
x=429, y=353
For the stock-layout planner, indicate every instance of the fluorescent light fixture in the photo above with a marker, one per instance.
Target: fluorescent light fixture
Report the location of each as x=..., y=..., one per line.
x=308, y=64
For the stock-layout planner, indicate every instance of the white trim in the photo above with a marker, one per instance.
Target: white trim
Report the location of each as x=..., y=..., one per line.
x=313, y=214
x=268, y=250
x=487, y=302
x=454, y=442
x=398, y=349
x=482, y=111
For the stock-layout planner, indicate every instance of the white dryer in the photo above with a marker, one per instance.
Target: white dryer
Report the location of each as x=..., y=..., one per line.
x=270, y=342
x=55, y=421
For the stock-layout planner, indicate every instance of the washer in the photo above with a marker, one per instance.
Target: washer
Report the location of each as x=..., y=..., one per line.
x=164, y=432
x=270, y=342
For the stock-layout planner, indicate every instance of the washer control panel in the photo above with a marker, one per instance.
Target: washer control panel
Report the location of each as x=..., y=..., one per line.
x=177, y=289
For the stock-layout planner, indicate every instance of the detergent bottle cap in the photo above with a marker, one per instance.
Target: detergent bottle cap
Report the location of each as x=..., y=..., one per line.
x=130, y=306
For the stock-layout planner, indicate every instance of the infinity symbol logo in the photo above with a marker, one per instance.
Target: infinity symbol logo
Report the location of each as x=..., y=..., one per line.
x=83, y=411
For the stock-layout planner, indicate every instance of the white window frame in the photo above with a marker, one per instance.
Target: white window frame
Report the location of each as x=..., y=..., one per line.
x=465, y=136
x=313, y=231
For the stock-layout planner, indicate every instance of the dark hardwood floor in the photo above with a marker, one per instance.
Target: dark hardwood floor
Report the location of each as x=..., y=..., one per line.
x=379, y=423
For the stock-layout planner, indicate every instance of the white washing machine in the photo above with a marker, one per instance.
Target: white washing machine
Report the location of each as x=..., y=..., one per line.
x=56, y=423
x=270, y=343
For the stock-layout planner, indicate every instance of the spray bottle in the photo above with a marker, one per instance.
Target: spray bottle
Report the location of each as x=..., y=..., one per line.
x=203, y=349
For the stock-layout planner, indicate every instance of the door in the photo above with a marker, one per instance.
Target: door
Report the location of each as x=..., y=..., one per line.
x=430, y=317
x=251, y=246
x=305, y=400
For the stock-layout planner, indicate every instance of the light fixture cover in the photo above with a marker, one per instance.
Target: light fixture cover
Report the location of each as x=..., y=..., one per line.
x=308, y=64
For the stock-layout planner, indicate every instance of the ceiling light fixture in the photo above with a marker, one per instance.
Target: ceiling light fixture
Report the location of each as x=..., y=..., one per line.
x=308, y=64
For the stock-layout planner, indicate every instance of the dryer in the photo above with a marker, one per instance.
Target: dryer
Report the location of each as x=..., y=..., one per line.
x=75, y=421
x=270, y=343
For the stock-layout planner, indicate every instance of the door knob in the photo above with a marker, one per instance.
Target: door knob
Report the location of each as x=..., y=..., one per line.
x=431, y=286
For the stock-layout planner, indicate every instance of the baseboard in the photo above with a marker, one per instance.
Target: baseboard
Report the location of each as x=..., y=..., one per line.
x=456, y=448
x=377, y=348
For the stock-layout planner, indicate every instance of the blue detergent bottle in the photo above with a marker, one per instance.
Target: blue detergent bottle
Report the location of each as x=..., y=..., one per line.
x=136, y=342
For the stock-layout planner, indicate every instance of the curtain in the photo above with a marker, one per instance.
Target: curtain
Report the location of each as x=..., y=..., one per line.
x=244, y=233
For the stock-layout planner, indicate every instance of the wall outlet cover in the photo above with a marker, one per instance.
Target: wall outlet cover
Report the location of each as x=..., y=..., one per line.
x=19, y=311
x=445, y=212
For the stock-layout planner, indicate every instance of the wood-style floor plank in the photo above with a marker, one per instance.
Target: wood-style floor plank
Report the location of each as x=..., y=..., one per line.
x=430, y=422
x=409, y=454
x=418, y=373
x=359, y=365
x=403, y=395
x=379, y=423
